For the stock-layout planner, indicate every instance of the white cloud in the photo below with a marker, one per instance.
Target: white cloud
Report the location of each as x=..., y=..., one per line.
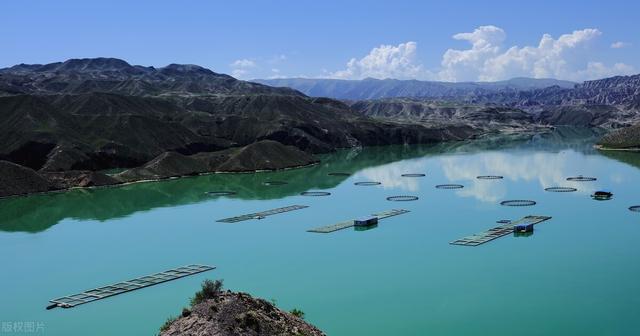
x=487, y=59
x=243, y=63
x=619, y=45
x=241, y=68
x=385, y=61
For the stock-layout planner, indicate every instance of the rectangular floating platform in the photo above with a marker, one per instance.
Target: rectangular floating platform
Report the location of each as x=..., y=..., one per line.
x=498, y=231
x=262, y=214
x=99, y=293
x=350, y=223
x=390, y=213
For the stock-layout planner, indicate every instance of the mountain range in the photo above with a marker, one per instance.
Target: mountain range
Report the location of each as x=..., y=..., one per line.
x=371, y=88
x=65, y=121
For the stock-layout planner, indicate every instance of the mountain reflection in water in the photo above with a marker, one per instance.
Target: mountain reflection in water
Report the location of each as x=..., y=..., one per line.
x=385, y=164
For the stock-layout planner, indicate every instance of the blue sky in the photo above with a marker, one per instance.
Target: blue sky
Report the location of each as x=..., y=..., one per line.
x=435, y=40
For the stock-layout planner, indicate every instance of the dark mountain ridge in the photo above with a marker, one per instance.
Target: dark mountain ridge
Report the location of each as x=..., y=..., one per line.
x=95, y=114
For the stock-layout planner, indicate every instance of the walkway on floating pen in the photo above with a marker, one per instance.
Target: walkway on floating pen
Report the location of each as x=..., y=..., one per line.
x=99, y=293
x=497, y=232
x=350, y=223
x=261, y=214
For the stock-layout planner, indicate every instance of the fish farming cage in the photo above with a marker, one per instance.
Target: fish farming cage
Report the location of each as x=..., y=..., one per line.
x=274, y=183
x=581, y=178
x=602, y=195
x=369, y=183
x=315, y=193
x=560, y=189
x=218, y=193
x=413, y=175
x=402, y=198
x=635, y=208
x=489, y=177
x=338, y=174
x=518, y=203
x=449, y=186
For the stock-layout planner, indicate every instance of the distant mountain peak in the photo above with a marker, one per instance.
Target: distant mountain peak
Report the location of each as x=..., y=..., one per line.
x=94, y=64
x=174, y=68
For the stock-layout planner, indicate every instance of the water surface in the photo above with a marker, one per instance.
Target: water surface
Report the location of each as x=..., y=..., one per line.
x=577, y=274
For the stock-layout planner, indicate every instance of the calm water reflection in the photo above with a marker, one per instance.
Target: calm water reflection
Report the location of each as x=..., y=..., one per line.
x=577, y=274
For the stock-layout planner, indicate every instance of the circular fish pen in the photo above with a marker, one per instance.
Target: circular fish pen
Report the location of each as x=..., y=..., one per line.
x=338, y=174
x=449, y=186
x=219, y=193
x=518, y=203
x=413, y=175
x=635, y=208
x=274, y=183
x=560, y=189
x=581, y=178
x=489, y=177
x=402, y=198
x=315, y=193
x=366, y=184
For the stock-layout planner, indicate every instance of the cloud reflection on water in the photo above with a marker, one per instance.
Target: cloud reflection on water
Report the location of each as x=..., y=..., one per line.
x=548, y=169
x=390, y=175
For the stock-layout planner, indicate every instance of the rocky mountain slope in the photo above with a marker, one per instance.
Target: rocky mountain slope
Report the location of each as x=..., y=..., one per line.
x=371, y=88
x=416, y=110
x=608, y=103
x=262, y=155
x=627, y=138
x=92, y=114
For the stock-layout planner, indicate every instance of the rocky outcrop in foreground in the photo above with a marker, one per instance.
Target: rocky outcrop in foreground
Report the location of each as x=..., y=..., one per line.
x=225, y=313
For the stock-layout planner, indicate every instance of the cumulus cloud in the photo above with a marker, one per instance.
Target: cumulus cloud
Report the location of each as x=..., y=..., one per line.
x=619, y=45
x=488, y=60
x=242, y=67
x=385, y=61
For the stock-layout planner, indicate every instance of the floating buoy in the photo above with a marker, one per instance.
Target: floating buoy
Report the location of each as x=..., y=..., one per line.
x=602, y=195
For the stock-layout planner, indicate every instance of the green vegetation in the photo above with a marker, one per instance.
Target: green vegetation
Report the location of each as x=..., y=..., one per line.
x=167, y=323
x=297, y=313
x=210, y=290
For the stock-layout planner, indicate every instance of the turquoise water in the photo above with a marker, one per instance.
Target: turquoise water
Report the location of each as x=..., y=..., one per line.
x=577, y=274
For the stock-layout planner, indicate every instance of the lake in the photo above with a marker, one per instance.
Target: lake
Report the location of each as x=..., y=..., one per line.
x=578, y=274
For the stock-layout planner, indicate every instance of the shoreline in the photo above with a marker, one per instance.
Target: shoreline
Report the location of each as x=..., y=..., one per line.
x=481, y=136
x=161, y=179
x=603, y=148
